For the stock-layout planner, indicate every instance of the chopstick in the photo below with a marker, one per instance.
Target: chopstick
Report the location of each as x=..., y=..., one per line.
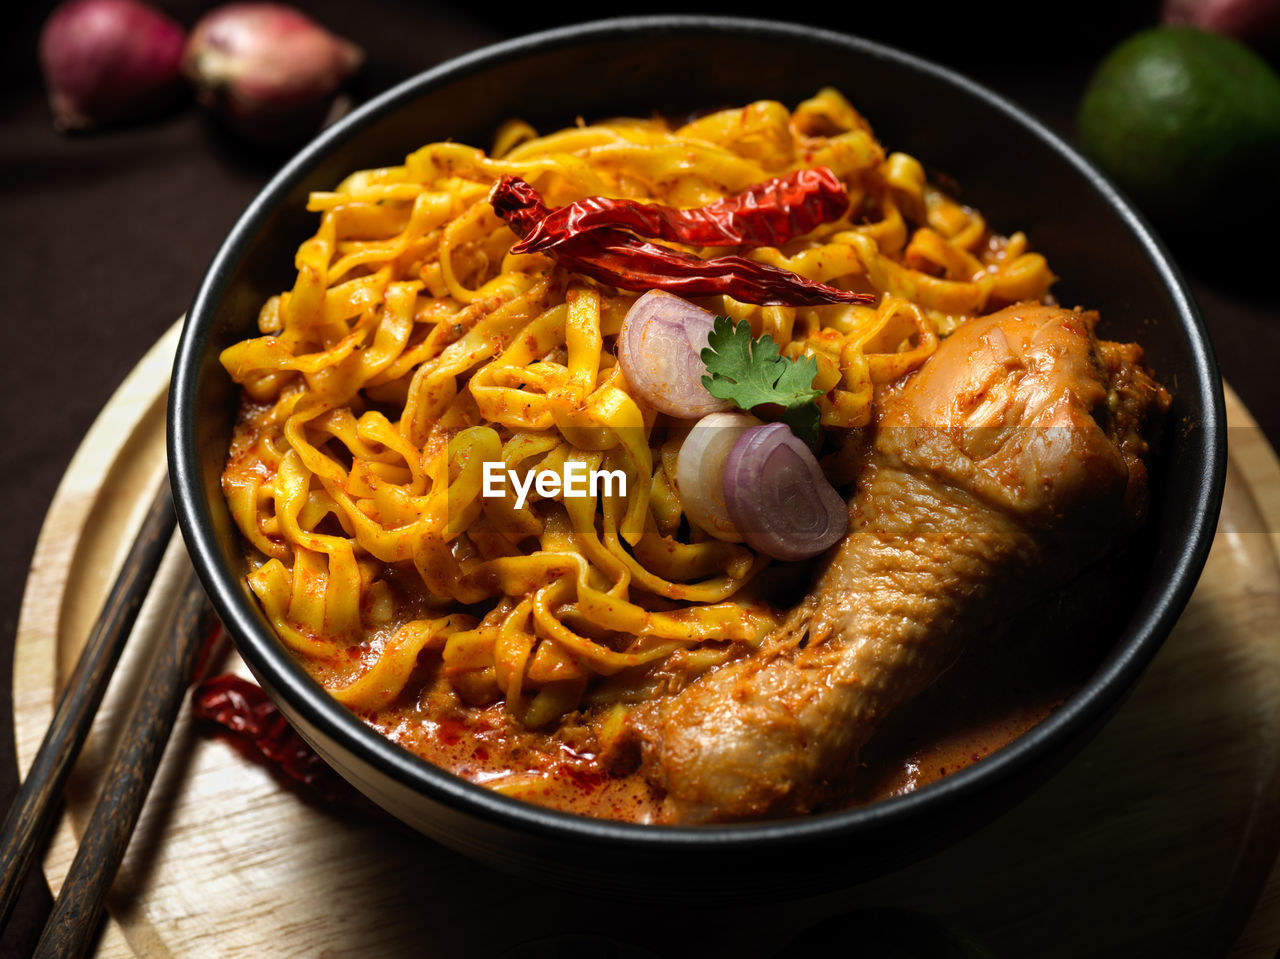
x=38, y=799
x=73, y=923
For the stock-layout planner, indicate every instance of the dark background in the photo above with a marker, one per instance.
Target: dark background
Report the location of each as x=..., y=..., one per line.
x=106, y=235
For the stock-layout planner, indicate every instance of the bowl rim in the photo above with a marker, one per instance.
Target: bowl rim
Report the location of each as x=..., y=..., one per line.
x=271, y=661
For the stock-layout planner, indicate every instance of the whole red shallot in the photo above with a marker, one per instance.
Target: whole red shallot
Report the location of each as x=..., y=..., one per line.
x=109, y=60
x=268, y=69
x=1255, y=22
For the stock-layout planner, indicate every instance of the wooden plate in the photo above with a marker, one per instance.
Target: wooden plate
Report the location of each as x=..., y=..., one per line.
x=1158, y=839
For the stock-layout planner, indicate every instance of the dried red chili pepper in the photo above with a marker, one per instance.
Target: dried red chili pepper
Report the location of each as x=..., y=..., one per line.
x=767, y=214
x=243, y=709
x=623, y=260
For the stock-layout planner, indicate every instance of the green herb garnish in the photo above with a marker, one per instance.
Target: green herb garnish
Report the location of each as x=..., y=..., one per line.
x=750, y=372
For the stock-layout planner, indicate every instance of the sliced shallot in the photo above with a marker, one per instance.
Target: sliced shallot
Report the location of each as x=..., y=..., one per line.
x=700, y=471
x=660, y=352
x=778, y=497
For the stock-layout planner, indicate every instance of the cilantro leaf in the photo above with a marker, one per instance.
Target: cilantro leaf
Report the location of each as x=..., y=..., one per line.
x=750, y=372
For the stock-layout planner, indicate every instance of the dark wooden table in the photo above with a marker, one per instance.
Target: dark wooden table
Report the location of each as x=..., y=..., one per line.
x=106, y=236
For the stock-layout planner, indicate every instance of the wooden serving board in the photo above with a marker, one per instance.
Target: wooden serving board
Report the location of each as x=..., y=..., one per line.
x=1159, y=839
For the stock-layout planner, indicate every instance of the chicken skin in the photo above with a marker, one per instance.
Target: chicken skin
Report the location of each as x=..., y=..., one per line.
x=1013, y=458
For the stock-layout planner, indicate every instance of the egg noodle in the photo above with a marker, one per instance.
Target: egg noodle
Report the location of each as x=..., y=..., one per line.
x=413, y=348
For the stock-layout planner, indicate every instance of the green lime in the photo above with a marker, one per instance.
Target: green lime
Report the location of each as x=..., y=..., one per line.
x=1187, y=123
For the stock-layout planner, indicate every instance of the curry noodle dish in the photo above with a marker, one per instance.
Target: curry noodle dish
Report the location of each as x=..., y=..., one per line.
x=680, y=470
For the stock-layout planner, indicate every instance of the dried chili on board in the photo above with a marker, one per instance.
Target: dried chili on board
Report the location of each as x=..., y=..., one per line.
x=243, y=709
x=623, y=260
x=767, y=214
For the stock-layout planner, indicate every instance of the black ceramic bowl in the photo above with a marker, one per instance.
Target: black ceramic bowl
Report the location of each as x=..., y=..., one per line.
x=1019, y=174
